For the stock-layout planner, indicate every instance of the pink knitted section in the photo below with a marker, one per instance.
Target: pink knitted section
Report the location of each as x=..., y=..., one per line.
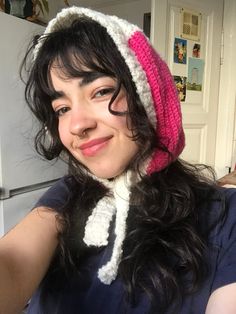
x=169, y=129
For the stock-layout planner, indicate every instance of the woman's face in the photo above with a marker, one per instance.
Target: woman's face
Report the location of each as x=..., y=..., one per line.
x=98, y=139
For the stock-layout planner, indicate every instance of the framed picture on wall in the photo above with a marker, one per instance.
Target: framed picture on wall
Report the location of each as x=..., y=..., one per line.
x=190, y=24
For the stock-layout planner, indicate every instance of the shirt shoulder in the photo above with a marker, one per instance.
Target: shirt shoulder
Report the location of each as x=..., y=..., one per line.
x=58, y=195
x=223, y=239
x=225, y=209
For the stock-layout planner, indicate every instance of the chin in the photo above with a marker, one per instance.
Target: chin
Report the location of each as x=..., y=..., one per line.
x=107, y=174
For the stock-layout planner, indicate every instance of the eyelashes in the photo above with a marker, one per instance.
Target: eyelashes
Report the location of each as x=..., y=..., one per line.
x=69, y=93
x=102, y=94
x=104, y=91
x=60, y=112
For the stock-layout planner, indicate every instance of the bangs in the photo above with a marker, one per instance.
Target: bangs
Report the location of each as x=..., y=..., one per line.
x=77, y=53
x=74, y=62
x=70, y=58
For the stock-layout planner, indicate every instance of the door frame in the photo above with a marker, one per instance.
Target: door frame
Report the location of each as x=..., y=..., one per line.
x=226, y=128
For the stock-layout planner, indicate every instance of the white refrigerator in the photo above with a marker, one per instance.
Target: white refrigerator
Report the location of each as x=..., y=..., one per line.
x=24, y=176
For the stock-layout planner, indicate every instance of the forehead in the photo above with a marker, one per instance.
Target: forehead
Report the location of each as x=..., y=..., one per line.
x=67, y=64
x=74, y=64
x=66, y=71
x=86, y=77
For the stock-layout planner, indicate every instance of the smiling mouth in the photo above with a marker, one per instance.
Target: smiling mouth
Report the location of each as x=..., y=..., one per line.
x=91, y=148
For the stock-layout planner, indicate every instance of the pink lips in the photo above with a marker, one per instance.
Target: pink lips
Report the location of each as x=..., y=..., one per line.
x=91, y=148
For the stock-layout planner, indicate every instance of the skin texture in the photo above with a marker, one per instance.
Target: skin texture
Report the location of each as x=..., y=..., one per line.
x=24, y=258
x=223, y=300
x=98, y=139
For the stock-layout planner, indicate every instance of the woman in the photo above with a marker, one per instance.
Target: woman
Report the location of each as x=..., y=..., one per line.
x=139, y=231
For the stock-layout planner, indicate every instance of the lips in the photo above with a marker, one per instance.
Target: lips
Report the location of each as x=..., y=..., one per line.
x=91, y=148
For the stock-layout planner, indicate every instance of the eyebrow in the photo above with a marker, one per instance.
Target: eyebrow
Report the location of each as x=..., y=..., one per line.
x=89, y=77
x=54, y=95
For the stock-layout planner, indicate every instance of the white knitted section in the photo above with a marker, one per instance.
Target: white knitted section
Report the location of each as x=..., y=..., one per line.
x=120, y=31
x=97, y=226
x=98, y=223
x=108, y=272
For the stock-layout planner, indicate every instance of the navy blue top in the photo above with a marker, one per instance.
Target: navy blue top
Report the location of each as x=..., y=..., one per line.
x=86, y=294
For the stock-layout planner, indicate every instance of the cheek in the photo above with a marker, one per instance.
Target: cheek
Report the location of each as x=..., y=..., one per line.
x=120, y=103
x=63, y=133
x=119, y=123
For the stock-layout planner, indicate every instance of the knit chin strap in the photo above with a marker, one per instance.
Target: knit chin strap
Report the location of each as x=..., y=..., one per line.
x=98, y=223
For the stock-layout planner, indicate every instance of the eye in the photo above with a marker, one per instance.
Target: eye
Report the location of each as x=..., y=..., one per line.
x=104, y=91
x=61, y=111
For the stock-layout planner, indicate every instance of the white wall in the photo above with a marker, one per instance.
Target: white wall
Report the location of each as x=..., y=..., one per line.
x=226, y=128
x=132, y=10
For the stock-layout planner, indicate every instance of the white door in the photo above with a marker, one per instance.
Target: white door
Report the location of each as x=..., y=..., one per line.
x=187, y=34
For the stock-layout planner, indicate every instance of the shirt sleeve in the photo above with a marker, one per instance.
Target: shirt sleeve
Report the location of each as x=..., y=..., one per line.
x=57, y=196
x=225, y=272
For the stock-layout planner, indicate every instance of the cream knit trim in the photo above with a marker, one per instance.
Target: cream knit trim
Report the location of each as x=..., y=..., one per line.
x=98, y=223
x=108, y=272
x=97, y=226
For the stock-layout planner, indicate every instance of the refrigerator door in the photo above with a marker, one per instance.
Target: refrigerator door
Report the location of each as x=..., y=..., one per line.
x=20, y=166
x=13, y=209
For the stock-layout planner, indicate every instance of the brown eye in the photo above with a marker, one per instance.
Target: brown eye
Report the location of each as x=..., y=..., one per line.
x=60, y=112
x=104, y=92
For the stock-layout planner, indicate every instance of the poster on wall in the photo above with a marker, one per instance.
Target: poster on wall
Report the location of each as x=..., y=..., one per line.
x=187, y=54
x=196, y=50
x=180, y=51
x=195, y=74
x=180, y=83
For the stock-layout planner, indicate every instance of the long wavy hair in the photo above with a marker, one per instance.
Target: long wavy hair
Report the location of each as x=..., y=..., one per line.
x=165, y=240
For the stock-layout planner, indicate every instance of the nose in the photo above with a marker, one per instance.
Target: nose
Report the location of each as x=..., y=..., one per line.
x=81, y=121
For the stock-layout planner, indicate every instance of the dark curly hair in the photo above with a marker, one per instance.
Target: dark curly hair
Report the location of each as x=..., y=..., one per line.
x=165, y=241
x=68, y=49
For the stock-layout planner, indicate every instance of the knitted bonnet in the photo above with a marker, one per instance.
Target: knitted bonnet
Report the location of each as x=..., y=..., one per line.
x=150, y=74
x=157, y=92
